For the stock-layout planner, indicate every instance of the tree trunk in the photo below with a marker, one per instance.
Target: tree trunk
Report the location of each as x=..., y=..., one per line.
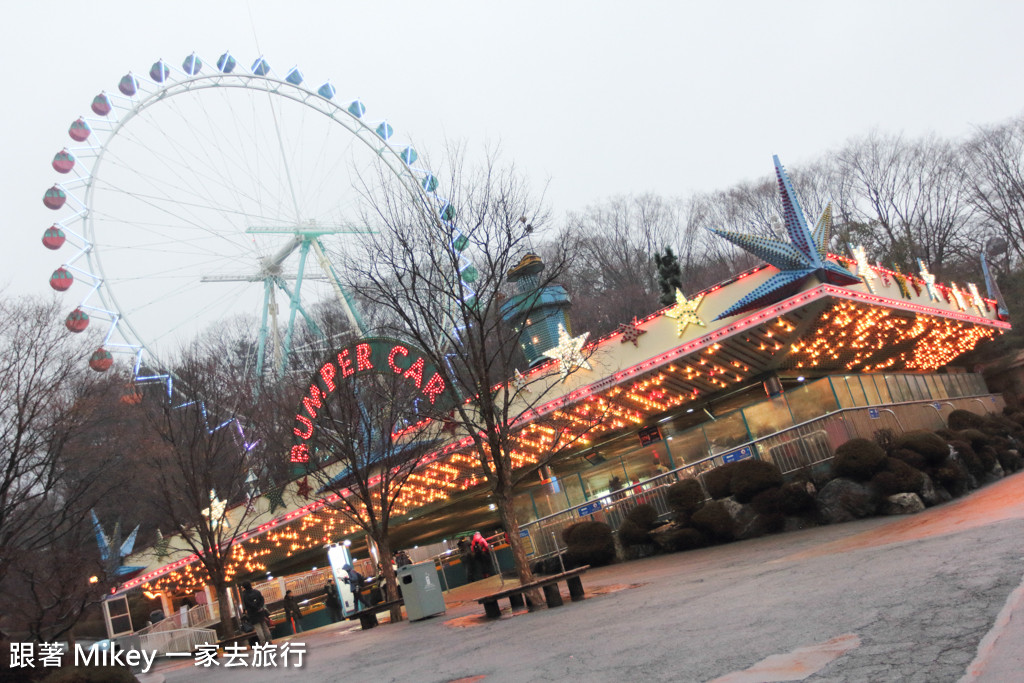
x=226, y=628
x=390, y=581
x=522, y=565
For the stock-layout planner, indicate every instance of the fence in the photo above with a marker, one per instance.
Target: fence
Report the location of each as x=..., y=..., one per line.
x=176, y=640
x=805, y=445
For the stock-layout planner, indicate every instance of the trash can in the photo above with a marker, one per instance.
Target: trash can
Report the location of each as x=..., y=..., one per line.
x=421, y=589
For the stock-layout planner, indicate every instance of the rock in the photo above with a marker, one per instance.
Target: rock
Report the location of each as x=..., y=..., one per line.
x=844, y=500
x=928, y=493
x=745, y=518
x=902, y=504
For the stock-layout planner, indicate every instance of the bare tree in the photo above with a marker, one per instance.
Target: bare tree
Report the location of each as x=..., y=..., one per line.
x=418, y=270
x=203, y=467
x=369, y=441
x=996, y=181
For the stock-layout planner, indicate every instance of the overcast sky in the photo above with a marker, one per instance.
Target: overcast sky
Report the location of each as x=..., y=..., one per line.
x=595, y=98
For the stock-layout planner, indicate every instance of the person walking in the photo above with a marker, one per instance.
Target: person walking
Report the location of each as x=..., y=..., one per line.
x=333, y=602
x=480, y=550
x=355, y=583
x=292, y=613
x=256, y=610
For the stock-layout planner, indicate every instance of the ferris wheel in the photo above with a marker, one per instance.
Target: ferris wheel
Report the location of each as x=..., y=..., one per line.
x=199, y=193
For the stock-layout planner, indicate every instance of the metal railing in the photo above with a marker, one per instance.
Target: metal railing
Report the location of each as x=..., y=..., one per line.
x=175, y=640
x=199, y=615
x=804, y=445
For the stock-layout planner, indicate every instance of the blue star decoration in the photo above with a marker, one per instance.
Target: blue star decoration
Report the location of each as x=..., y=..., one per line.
x=803, y=257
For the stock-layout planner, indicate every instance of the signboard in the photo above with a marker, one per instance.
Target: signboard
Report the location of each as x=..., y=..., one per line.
x=738, y=454
x=937, y=406
x=649, y=435
x=589, y=508
x=527, y=542
x=873, y=413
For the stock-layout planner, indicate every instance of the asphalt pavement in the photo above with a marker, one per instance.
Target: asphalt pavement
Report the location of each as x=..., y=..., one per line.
x=933, y=597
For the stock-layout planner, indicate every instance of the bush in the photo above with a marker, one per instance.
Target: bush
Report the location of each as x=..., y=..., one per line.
x=929, y=444
x=717, y=481
x=974, y=437
x=964, y=419
x=897, y=477
x=685, y=496
x=796, y=500
x=858, y=459
x=750, y=477
x=632, y=534
x=952, y=476
x=686, y=538
x=912, y=458
x=644, y=516
x=768, y=502
x=885, y=438
x=1010, y=460
x=715, y=522
x=589, y=543
x=1001, y=425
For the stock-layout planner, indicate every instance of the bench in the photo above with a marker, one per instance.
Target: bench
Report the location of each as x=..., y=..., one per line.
x=368, y=615
x=549, y=585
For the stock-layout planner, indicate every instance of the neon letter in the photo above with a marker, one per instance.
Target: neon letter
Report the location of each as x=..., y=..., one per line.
x=401, y=350
x=345, y=363
x=327, y=372
x=415, y=373
x=311, y=402
x=309, y=427
x=434, y=387
x=363, y=357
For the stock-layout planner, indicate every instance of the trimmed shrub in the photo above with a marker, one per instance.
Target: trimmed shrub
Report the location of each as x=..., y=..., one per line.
x=589, y=543
x=718, y=481
x=858, y=459
x=796, y=500
x=952, y=476
x=632, y=534
x=715, y=522
x=885, y=438
x=929, y=444
x=975, y=437
x=964, y=419
x=686, y=538
x=912, y=458
x=644, y=516
x=1001, y=425
x=1010, y=460
x=768, y=502
x=897, y=477
x=750, y=477
x=685, y=496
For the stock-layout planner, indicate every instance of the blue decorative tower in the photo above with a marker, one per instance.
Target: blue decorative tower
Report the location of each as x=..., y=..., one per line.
x=535, y=312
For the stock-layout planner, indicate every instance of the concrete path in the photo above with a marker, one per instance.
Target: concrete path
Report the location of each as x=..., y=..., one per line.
x=935, y=597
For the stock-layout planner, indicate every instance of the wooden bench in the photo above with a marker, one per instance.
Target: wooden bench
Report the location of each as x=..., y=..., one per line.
x=368, y=615
x=549, y=585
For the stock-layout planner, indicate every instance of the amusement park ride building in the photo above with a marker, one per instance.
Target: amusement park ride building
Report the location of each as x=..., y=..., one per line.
x=685, y=363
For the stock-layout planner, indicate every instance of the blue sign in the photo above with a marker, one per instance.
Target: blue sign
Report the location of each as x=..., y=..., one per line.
x=738, y=454
x=873, y=413
x=589, y=508
x=524, y=533
x=937, y=406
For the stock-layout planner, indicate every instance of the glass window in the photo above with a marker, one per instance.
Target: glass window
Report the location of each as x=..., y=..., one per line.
x=842, y=391
x=726, y=432
x=897, y=389
x=857, y=390
x=919, y=387
x=523, y=503
x=882, y=387
x=687, y=447
x=770, y=416
x=870, y=385
x=811, y=401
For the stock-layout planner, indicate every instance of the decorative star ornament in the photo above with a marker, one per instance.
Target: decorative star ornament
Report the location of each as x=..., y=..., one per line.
x=276, y=499
x=804, y=256
x=929, y=281
x=569, y=352
x=448, y=423
x=864, y=271
x=976, y=299
x=958, y=296
x=631, y=331
x=162, y=546
x=883, y=272
x=901, y=282
x=215, y=513
x=304, y=488
x=685, y=312
x=519, y=382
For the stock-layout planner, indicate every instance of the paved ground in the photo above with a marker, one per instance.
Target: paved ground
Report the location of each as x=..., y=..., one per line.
x=934, y=597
